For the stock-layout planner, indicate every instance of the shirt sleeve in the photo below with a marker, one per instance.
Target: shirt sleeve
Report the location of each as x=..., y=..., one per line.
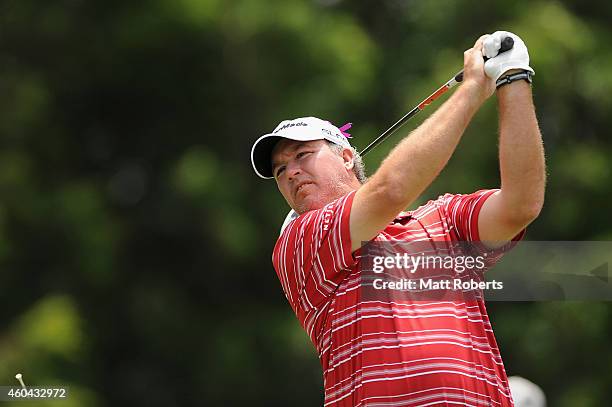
x=313, y=254
x=462, y=212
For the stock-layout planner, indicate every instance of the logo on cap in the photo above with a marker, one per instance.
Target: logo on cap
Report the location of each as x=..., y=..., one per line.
x=331, y=133
x=290, y=125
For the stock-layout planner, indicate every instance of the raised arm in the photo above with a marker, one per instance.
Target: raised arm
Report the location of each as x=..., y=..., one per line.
x=415, y=162
x=522, y=167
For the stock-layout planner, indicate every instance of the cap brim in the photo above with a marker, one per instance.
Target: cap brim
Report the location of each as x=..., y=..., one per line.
x=261, y=153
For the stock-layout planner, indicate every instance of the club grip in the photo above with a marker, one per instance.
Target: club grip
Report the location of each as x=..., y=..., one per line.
x=506, y=45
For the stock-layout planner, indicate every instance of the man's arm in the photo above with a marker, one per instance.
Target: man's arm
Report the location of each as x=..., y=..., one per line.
x=522, y=167
x=415, y=162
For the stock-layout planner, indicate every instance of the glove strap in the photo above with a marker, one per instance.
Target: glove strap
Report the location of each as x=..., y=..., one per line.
x=525, y=75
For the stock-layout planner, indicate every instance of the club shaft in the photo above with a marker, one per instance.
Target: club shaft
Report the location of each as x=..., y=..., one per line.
x=506, y=45
x=439, y=92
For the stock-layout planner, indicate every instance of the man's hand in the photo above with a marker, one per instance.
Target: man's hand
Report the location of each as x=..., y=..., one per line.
x=474, y=77
x=499, y=64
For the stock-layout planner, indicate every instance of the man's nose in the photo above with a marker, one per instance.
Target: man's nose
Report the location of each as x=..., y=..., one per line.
x=293, y=169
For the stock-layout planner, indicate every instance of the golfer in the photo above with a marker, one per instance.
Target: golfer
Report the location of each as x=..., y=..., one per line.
x=405, y=353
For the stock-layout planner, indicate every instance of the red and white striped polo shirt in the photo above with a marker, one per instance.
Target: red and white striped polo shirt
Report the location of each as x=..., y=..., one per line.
x=384, y=353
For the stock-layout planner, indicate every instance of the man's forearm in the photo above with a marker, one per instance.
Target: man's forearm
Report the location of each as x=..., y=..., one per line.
x=415, y=162
x=523, y=174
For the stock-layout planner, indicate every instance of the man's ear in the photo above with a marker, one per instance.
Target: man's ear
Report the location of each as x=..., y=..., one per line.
x=348, y=158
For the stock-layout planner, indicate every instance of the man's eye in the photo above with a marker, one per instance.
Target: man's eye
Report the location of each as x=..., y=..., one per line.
x=279, y=171
x=302, y=154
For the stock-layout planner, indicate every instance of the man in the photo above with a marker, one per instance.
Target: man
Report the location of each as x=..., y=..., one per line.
x=406, y=353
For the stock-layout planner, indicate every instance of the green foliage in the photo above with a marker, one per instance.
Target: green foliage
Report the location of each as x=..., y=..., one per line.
x=135, y=241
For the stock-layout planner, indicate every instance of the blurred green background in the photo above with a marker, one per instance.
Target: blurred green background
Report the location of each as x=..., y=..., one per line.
x=135, y=240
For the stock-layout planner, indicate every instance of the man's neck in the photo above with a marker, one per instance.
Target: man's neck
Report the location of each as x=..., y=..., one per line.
x=343, y=192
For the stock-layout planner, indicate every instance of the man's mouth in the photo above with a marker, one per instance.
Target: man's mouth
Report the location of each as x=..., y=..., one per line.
x=301, y=187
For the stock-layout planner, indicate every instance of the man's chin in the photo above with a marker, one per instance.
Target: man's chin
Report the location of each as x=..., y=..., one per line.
x=302, y=209
x=307, y=205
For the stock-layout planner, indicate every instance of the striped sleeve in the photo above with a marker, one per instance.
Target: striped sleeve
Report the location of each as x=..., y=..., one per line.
x=462, y=212
x=313, y=254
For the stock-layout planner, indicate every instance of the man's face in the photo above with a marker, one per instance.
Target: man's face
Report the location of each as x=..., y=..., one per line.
x=309, y=174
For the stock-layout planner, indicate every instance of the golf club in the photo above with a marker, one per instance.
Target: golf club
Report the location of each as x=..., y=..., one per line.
x=506, y=45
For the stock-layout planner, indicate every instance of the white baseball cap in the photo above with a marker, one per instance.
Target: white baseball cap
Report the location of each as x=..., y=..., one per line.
x=300, y=129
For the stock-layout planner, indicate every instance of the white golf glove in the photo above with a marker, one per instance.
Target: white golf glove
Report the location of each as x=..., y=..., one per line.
x=515, y=58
